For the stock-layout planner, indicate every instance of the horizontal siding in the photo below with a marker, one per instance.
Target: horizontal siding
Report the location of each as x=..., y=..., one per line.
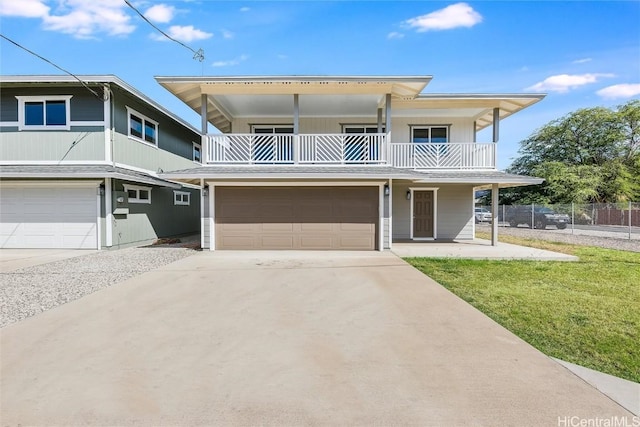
x=138, y=154
x=455, y=211
x=52, y=145
x=161, y=218
x=461, y=129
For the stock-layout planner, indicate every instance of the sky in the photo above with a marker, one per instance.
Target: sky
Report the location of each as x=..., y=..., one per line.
x=580, y=53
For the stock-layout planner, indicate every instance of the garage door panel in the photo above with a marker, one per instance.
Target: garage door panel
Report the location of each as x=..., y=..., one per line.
x=33, y=217
x=296, y=217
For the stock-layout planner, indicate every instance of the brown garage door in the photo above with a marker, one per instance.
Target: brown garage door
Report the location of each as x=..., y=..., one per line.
x=296, y=217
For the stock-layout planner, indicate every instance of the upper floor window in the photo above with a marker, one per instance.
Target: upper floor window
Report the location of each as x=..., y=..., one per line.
x=142, y=128
x=138, y=194
x=269, y=129
x=361, y=129
x=434, y=134
x=44, y=112
x=197, y=153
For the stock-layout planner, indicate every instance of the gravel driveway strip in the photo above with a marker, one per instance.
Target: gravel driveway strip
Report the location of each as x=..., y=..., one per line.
x=28, y=291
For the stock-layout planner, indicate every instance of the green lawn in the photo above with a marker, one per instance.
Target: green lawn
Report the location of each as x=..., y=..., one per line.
x=585, y=312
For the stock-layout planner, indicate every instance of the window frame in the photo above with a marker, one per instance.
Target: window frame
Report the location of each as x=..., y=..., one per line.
x=430, y=127
x=179, y=198
x=23, y=100
x=145, y=120
x=137, y=189
x=193, y=152
x=364, y=127
x=273, y=129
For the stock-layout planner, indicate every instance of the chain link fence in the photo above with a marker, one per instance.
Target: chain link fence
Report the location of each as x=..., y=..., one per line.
x=599, y=219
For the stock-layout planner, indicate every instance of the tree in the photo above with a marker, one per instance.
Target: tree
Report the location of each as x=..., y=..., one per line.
x=590, y=155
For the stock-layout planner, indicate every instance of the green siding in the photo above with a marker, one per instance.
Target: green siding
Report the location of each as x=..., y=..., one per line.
x=173, y=138
x=161, y=218
x=138, y=154
x=53, y=145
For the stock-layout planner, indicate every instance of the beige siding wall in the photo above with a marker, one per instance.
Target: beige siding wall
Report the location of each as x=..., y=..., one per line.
x=52, y=146
x=461, y=128
x=455, y=211
x=134, y=153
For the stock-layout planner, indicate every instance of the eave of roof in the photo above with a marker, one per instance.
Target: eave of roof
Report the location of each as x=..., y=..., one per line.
x=279, y=173
x=81, y=172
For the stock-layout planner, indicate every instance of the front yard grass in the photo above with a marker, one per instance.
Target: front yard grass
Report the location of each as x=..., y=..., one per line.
x=585, y=312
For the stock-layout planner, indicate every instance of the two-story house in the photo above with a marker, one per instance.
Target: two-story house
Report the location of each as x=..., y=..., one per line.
x=79, y=164
x=343, y=162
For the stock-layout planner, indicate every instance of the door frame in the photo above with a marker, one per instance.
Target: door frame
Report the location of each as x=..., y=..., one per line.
x=435, y=212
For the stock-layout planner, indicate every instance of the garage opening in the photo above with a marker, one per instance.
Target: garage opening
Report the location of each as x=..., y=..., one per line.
x=311, y=218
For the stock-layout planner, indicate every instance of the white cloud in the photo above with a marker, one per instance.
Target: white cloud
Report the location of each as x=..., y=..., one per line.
x=230, y=62
x=453, y=16
x=226, y=34
x=24, y=8
x=245, y=9
x=160, y=13
x=562, y=83
x=84, y=18
x=186, y=33
x=624, y=90
x=581, y=61
x=395, y=35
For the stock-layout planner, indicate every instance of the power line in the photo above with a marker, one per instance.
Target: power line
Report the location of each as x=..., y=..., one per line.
x=49, y=62
x=199, y=54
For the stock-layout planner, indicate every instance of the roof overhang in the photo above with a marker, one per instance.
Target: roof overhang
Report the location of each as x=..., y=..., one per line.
x=36, y=172
x=477, y=106
x=283, y=173
x=272, y=96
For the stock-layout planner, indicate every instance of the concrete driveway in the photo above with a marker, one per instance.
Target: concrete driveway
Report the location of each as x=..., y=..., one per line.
x=321, y=338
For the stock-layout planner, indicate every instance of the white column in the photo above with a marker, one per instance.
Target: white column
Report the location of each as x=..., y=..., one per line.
x=108, y=210
x=494, y=214
x=204, y=128
x=296, y=128
x=387, y=113
x=202, y=218
x=107, y=124
x=390, y=219
x=379, y=120
x=496, y=124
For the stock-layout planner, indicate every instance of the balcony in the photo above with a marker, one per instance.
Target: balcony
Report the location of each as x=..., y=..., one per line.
x=344, y=149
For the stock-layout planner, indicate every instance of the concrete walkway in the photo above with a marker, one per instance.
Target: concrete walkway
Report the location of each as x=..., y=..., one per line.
x=285, y=338
x=13, y=259
x=476, y=249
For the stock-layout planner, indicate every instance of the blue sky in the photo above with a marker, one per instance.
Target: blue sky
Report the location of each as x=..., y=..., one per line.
x=581, y=53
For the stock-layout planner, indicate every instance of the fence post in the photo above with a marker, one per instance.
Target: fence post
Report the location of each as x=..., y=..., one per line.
x=629, y=219
x=533, y=225
x=572, y=217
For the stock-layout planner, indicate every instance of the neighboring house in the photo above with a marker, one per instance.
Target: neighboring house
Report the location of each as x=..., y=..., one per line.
x=79, y=165
x=340, y=162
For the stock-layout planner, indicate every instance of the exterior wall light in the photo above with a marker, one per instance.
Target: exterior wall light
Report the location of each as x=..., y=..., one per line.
x=408, y=194
x=386, y=189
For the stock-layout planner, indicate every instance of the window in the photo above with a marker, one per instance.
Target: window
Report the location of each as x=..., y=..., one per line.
x=142, y=128
x=361, y=129
x=182, y=198
x=433, y=134
x=138, y=194
x=271, y=129
x=197, y=153
x=44, y=112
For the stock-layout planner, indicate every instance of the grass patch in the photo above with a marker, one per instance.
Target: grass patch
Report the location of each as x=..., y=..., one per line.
x=585, y=312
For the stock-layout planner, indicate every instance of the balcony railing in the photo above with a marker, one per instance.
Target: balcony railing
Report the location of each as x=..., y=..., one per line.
x=348, y=149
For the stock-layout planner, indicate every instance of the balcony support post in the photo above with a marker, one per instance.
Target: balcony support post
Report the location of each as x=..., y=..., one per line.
x=204, y=128
x=495, y=194
x=379, y=120
x=296, y=128
x=496, y=124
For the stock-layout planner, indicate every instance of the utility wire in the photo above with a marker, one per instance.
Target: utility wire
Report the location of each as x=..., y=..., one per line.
x=198, y=55
x=49, y=62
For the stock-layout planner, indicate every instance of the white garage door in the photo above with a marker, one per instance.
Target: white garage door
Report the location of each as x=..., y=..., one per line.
x=48, y=217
